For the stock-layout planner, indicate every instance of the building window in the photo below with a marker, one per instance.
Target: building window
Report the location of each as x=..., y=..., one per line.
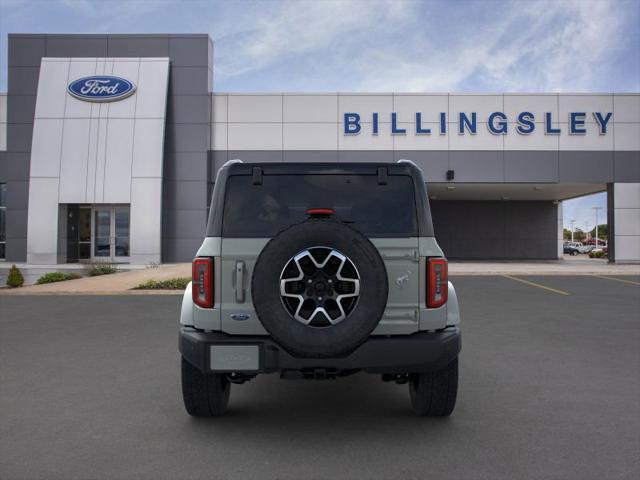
x=3, y=220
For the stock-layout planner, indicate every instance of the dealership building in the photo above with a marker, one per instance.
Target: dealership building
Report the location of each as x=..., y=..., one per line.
x=110, y=144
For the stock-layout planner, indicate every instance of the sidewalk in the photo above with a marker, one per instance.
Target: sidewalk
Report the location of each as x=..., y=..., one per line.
x=580, y=265
x=113, y=284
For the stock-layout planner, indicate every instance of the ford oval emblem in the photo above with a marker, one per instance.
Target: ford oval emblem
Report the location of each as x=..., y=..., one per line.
x=240, y=317
x=101, y=88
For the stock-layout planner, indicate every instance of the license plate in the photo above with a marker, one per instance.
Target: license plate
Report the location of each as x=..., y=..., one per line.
x=234, y=358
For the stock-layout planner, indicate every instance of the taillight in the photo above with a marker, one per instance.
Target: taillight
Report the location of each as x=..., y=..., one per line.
x=320, y=212
x=437, y=282
x=202, y=282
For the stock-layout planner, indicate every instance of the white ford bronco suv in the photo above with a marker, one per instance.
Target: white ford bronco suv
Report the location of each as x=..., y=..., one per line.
x=316, y=271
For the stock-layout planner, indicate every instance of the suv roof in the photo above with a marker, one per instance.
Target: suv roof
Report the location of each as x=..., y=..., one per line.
x=257, y=170
x=354, y=168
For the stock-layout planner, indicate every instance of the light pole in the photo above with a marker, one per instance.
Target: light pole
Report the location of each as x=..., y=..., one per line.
x=572, y=222
x=596, y=210
x=586, y=231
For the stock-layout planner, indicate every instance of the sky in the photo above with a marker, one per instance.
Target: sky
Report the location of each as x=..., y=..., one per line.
x=378, y=45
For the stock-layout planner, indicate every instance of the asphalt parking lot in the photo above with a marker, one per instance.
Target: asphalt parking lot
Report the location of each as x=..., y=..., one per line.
x=550, y=388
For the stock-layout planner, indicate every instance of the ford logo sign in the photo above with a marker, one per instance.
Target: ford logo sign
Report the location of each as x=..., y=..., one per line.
x=101, y=88
x=240, y=317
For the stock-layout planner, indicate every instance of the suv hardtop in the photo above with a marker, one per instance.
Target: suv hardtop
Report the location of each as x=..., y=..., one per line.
x=315, y=271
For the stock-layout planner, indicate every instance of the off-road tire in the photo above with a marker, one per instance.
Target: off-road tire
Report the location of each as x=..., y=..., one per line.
x=333, y=341
x=204, y=394
x=433, y=394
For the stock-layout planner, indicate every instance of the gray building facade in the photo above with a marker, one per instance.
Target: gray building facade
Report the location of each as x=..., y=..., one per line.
x=130, y=180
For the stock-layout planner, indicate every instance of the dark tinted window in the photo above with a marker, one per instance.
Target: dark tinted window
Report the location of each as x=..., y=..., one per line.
x=281, y=200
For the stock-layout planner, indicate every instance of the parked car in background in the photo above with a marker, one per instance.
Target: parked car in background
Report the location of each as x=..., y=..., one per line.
x=571, y=248
x=586, y=248
x=592, y=241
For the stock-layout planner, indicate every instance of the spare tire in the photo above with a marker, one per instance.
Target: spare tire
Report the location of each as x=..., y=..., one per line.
x=319, y=288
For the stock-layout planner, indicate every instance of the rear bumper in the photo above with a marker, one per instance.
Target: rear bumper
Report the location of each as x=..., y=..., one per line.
x=420, y=352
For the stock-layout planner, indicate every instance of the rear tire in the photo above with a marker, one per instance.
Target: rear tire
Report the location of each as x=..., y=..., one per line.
x=433, y=394
x=204, y=394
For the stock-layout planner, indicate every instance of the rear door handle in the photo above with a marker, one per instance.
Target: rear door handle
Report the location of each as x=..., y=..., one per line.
x=240, y=281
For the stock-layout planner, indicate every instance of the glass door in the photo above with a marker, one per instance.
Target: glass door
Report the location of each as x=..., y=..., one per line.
x=111, y=234
x=120, y=233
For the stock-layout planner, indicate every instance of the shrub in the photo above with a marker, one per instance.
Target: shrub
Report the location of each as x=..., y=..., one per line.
x=52, y=277
x=179, y=283
x=15, y=278
x=95, y=269
x=596, y=254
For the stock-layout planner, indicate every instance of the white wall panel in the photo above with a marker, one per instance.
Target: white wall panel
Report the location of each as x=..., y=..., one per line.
x=45, y=147
x=93, y=150
x=42, y=221
x=219, y=104
x=148, y=144
x=626, y=204
x=628, y=221
x=52, y=86
x=626, y=107
x=74, y=161
x=365, y=140
x=146, y=219
x=255, y=136
x=118, y=158
x=310, y=136
x=430, y=106
x=77, y=108
x=534, y=141
x=483, y=140
x=125, y=108
x=626, y=195
x=101, y=158
x=584, y=103
x=536, y=104
x=627, y=249
x=365, y=105
x=592, y=140
x=483, y=105
x=310, y=108
x=219, y=136
x=627, y=136
x=411, y=141
x=315, y=109
x=255, y=108
x=92, y=159
x=151, y=95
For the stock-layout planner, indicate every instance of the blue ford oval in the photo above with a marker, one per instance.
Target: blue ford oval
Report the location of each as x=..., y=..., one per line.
x=101, y=88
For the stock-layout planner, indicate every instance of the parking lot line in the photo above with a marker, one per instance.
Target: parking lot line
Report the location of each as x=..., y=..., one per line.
x=534, y=284
x=618, y=279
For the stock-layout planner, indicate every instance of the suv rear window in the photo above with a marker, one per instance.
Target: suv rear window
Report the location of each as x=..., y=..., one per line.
x=281, y=200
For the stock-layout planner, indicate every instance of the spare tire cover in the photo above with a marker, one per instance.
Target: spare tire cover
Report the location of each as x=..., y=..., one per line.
x=319, y=288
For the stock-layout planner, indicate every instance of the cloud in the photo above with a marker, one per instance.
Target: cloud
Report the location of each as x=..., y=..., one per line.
x=376, y=45
x=290, y=30
x=417, y=46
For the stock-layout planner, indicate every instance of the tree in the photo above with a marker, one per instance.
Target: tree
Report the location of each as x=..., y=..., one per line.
x=566, y=234
x=603, y=231
x=578, y=235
